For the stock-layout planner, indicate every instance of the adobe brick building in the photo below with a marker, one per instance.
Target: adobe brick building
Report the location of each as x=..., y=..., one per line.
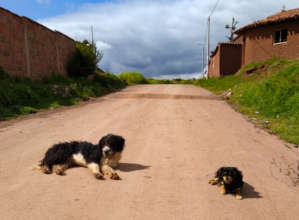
x=29, y=49
x=274, y=36
x=225, y=60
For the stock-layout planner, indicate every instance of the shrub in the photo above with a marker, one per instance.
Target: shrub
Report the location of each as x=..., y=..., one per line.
x=19, y=95
x=84, y=60
x=133, y=78
x=3, y=74
x=109, y=80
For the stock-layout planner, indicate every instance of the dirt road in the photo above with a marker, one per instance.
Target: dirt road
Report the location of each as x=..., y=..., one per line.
x=177, y=136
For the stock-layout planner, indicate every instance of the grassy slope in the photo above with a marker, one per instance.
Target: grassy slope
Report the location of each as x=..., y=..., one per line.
x=19, y=96
x=133, y=78
x=267, y=92
x=270, y=94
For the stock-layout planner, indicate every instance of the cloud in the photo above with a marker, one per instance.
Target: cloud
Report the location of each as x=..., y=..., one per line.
x=158, y=37
x=180, y=76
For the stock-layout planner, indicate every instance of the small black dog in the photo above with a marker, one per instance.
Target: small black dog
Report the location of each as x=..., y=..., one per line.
x=96, y=157
x=231, y=180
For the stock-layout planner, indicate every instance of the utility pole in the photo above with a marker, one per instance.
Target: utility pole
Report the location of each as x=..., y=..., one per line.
x=208, y=41
x=208, y=48
x=203, y=59
x=92, y=42
x=91, y=28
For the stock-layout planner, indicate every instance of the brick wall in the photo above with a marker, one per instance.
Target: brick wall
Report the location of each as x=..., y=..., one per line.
x=226, y=60
x=231, y=58
x=259, y=44
x=214, y=65
x=30, y=49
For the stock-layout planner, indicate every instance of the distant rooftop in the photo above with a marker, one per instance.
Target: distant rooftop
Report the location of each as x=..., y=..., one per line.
x=284, y=15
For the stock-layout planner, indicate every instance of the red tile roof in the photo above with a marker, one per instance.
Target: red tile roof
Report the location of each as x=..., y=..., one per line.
x=282, y=16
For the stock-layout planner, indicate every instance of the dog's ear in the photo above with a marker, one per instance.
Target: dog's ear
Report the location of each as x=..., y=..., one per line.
x=238, y=174
x=102, y=141
x=118, y=143
x=219, y=172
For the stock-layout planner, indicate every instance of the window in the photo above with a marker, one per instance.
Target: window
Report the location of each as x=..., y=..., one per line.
x=280, y=36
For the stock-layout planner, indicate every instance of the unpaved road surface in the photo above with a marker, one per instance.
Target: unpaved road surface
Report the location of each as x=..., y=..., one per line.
x=176, y=138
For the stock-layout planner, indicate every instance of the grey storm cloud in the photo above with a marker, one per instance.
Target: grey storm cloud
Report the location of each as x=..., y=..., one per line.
x=159, y=37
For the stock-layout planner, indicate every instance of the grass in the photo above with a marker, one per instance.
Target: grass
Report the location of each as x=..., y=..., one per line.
x=133, y=78
x=19, y=96
x=267, y=91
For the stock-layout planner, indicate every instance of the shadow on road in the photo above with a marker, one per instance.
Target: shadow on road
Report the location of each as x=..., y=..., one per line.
x=129, y=167
x=249, y=192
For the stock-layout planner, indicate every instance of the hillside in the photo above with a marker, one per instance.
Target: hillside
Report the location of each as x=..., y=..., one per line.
x=268, y=92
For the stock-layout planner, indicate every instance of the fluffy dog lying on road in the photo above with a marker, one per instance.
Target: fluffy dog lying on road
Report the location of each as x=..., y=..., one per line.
x=100, y=159
x=231, y=180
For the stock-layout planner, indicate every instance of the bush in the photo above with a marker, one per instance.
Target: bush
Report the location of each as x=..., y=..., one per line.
x=84, y=60
x=20, y=96
x=109, y=80
x=159, y=81
x=133, y=78
x=3, y=74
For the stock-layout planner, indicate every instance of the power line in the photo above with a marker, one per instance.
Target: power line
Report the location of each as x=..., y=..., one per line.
x=215, y=6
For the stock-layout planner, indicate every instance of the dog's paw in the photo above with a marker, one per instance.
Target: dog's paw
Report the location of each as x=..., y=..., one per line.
x=239, y=197
x=115, y=176
x=213, y=181
x=98, y=176
x=222, y=191
x=46, y=170
x=111, y=175
x=60, y=172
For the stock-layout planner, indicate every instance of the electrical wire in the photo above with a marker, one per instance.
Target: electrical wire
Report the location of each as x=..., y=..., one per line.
x=215, y=6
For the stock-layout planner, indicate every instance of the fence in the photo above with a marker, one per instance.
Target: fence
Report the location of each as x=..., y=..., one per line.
x=29, y=49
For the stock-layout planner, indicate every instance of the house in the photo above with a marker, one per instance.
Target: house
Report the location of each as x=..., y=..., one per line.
x=274, y=36
x=225, y=60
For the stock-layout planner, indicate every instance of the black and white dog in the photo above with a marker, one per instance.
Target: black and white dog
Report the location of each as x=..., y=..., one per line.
x=100, y=158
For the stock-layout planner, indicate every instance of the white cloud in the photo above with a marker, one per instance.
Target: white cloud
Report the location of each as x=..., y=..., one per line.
x=158, y=37
x=103, y=45
x=180, y=76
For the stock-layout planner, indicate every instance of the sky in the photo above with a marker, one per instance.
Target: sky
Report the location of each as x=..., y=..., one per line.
x=159, y=38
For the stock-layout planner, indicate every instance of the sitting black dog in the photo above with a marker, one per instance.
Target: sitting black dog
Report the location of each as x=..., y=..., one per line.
x=230, y=180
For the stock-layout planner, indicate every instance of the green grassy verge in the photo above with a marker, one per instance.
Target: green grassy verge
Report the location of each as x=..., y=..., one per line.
x=19, y=96
x=266, y=91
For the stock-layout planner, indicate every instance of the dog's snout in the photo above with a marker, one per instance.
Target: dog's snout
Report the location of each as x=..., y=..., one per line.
x=106, y=150
x=227, y=179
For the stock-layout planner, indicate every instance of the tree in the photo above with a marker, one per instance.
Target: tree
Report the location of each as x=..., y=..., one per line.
x=232, y=29
x=85, y=59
